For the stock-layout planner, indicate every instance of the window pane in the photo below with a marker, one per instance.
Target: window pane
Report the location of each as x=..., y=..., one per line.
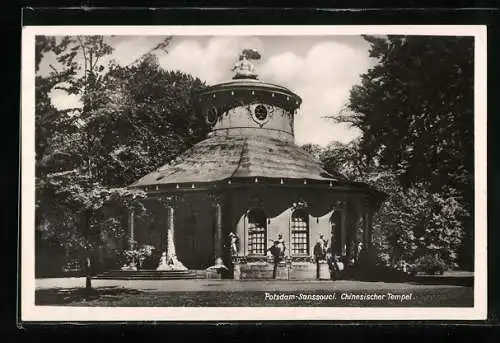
x=257, y=221
x=300, y=232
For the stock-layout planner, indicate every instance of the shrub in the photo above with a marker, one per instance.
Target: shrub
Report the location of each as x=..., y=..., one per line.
x=430, y=264
x=137, y=256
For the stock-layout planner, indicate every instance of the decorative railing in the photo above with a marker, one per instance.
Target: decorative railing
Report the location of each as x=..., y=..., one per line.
x=269, y=259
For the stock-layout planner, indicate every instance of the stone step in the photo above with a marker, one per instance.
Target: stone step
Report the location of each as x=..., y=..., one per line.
x=144, y=277
x=154, y=275
x=144, y=272
x=147, y=275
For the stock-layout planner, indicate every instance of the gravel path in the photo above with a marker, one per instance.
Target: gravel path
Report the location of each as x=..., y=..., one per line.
x=228, y=285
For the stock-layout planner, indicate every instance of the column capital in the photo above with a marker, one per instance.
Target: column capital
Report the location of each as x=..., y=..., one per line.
x=366, y=202
x=216, y=199
x=132, y=240
x=170, y=200
x=339, y=205
x=193, y=208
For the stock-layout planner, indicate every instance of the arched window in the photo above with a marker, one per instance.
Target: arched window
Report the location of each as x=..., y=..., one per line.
x=257, y=232
x=300, y=233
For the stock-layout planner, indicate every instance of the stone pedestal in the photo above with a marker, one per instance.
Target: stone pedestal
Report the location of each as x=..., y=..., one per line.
x=303, y=271
x=237, y=271
x=170, y=263
x=213, y=274
x=263, y=271
x=282, y=272
x=323, y=271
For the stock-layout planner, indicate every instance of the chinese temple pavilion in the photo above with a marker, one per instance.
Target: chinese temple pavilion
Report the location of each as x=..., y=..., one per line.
x=249, y=180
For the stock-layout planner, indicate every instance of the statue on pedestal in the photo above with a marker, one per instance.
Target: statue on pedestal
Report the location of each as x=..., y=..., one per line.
x=234, y=243
x=320, y=249
x=278, y=248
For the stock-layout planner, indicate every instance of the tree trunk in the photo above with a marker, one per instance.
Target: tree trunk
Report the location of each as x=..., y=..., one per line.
x=88, y=279
x=88, y=264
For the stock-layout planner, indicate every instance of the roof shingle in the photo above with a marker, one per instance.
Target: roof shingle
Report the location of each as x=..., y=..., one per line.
x=222, y=157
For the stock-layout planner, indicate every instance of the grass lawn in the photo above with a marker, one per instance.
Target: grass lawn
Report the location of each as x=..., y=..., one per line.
x=434, y=296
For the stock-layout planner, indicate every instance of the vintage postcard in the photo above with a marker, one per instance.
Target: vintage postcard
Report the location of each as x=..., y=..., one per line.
x=253, y=173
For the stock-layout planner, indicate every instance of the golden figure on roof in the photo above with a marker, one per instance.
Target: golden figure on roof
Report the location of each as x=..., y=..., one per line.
x=244, y=68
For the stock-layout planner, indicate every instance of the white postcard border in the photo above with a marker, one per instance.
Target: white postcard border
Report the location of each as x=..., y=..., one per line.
x=31, y=312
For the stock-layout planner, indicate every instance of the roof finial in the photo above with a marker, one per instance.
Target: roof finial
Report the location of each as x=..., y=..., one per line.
x=244, y=69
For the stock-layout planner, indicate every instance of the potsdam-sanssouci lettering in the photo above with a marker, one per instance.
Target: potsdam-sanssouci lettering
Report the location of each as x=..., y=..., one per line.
x=317, y=297
x=279, y=296
x=301, y=296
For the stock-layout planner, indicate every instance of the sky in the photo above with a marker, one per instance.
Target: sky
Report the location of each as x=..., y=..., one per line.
x=320, y=69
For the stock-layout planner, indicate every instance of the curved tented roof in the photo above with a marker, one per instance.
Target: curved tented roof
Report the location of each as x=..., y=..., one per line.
x=222, y=157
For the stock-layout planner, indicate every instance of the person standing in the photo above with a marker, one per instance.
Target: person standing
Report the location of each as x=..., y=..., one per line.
x=320, y=253
x=277, y=251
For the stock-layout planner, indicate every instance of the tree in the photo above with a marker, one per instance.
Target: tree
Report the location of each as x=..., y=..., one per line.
x=154, y=121
x=68, y=193
x=131, y=120
x=412, y=221
x=415, y=111
x=313, y=150
x=346, y=159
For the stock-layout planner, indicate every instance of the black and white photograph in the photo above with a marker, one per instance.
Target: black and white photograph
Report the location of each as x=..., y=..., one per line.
x=253, y=173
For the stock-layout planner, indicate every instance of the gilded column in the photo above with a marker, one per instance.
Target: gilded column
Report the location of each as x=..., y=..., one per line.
x=368, y=256
x=169, y=260
x=367, y=222
x=217, y=205
x=340, y=207
x=131, y=228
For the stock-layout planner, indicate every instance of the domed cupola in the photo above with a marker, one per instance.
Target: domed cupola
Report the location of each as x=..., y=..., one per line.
x=252, y=137
x=246, y=106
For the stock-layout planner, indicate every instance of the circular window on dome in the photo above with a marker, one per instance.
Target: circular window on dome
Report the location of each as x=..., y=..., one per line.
x=260, y=114
x=211, y=115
